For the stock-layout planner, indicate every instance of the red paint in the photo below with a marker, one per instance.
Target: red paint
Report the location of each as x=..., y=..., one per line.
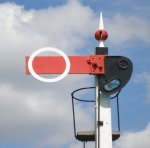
x=79, y=64
x=101, y=35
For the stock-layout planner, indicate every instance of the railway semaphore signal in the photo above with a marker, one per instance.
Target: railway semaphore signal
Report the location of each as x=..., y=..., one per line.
x=111, y=74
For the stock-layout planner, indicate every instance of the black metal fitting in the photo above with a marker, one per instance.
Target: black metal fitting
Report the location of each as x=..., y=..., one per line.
x=101, y=50
x=100, y=123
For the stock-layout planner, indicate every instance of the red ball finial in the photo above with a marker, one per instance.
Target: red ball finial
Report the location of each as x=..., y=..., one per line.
x=101, y=35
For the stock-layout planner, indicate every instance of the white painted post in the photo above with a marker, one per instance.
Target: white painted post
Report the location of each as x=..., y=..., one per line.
x=103, y=135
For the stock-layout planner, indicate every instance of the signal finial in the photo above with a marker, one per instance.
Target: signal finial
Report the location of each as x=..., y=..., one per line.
x=101, y=34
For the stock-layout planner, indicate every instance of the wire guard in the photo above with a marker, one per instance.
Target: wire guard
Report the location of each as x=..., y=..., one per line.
x=90, y=135
x=72, y=94
x=73, y=109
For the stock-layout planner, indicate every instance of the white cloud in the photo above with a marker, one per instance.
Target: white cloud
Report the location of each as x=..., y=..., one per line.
x=125, y=29
x=52, y=26
x=135, y=139
x=44, y=117
x=144, y=78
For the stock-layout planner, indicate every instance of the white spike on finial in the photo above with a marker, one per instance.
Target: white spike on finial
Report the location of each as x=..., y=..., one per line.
x=101, y=26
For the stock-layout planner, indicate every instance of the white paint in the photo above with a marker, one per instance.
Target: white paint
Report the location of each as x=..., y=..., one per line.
x=51, y=49
x=101, y=44
x=101, y=23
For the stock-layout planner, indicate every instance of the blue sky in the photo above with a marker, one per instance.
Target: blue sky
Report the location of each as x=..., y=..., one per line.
x=29, y=117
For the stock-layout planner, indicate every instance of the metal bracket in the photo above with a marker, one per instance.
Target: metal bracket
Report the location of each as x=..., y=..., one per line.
x=97, y=64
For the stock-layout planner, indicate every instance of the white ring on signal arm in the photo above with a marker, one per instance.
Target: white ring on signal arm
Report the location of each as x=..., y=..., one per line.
x=51, y=49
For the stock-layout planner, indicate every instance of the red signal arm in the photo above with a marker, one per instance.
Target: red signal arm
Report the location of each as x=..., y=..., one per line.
x=93, y=64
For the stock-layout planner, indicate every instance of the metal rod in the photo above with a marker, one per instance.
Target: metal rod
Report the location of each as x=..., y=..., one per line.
x=97, y=112
x=74, y=123
x=118, y=114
